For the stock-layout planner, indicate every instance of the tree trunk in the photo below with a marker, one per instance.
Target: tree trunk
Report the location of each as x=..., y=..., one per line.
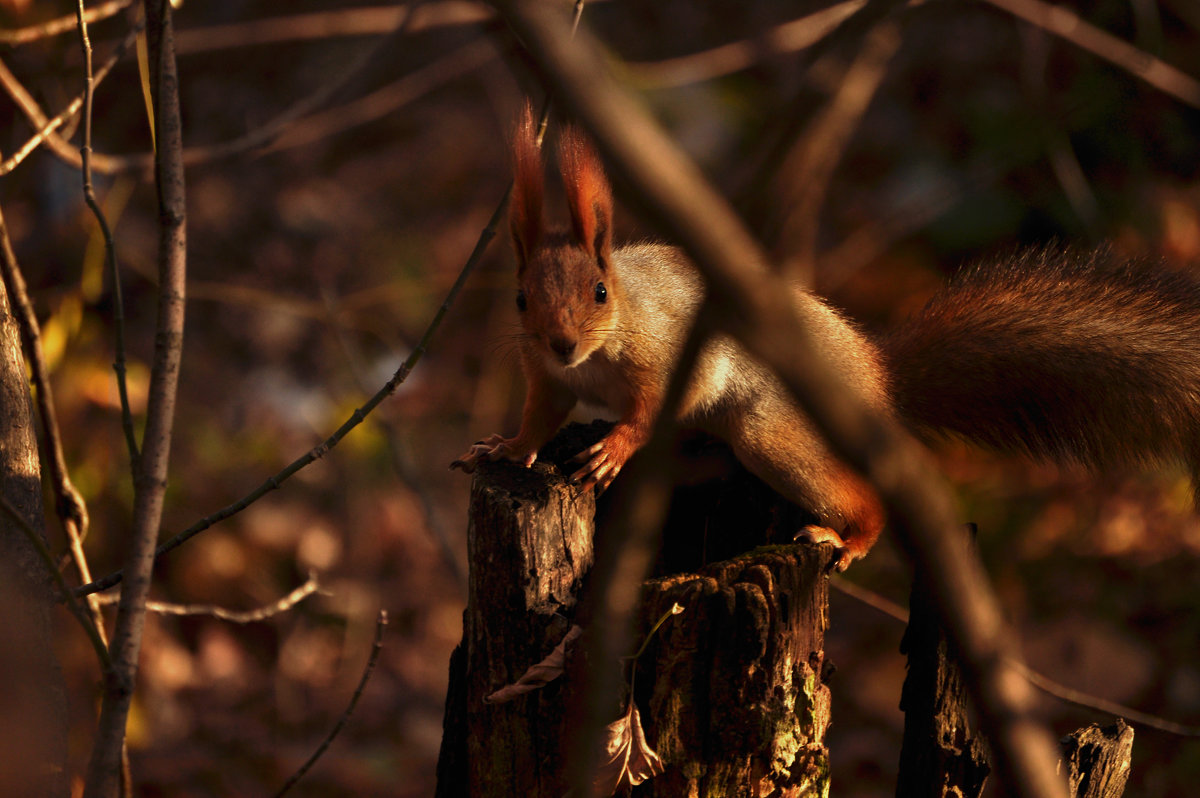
x=33, y=709
x=940, y=755
x=730, y=691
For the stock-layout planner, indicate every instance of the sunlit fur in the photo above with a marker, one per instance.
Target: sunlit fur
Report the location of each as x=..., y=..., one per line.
x=1068, y=356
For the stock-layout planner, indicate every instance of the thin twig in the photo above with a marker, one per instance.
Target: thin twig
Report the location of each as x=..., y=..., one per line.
x=110, y=249
x=233, y=616
x=376, y=647
x=402, y=463
x=264, y=134
x=378, y=103
x=326, y=25
x=360, y=414
x=808, y=169
x=1038, y=680
x=45, y=128
x=1066, y=24
x=152, y=464
x=17, y=36
x=726, y=59
x=1072, y=696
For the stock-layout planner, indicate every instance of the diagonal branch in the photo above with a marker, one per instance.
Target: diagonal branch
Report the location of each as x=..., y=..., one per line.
x=360, y=414
x=45, y=128
x=376, y=647
x=16, y=36
x=1066, y=24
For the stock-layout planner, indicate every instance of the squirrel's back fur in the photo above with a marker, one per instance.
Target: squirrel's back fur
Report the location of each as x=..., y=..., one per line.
x=1068, y=356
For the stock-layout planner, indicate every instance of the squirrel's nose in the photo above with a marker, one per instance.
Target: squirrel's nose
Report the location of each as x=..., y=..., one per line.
x=563, y=347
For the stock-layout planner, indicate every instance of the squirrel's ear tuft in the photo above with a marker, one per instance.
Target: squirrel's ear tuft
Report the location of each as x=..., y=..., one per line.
x=589, y=196
x=525, y=209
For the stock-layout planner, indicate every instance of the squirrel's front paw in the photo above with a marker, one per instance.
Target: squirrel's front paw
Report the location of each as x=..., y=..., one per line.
x=495, y=447
x=604, y=460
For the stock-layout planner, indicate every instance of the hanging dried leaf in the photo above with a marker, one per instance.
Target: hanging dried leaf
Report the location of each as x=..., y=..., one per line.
x=629, y=759
x=539, y=675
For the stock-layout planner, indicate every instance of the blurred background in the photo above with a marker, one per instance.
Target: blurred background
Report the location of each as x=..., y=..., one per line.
x=318, y=254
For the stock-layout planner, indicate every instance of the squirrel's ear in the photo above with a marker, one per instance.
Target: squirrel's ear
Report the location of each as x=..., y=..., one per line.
x=525, y=209
x=589, y=196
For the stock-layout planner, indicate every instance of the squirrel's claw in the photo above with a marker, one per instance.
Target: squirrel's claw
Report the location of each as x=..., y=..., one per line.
x=601, y=469
x=495, y=447
x=842, y=556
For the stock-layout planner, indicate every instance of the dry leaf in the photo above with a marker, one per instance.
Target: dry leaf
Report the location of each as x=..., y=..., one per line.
x=539, y=675
x=630, y=761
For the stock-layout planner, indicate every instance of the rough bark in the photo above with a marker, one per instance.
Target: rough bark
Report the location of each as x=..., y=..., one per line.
x=940, y=754
x=1097, y=760
x=33, y=711
x=731, y=691
x=733, y=688
x=529, y=542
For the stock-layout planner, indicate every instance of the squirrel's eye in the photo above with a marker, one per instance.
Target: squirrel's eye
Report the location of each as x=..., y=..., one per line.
x=521, y=303
x=601, y=293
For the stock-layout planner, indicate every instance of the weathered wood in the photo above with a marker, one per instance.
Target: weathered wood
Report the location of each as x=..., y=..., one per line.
x=733, y=688
x=731, y=692
x=529, y=545
x=940, y=754
x=1097, y=760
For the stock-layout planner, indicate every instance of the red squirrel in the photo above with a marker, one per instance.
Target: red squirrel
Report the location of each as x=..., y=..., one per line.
x=1067, y=357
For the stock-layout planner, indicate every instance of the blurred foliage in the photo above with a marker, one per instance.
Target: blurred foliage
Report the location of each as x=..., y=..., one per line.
x=314, y=269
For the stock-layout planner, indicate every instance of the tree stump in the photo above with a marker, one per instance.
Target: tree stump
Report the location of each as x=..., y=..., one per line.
x=731, y=691
x=529, y=544
x=1097, y=760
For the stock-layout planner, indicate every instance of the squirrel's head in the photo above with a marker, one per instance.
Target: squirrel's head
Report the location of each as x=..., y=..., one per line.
x=567, y=293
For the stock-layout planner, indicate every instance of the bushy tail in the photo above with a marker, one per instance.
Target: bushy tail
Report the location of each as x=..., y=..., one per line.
x=1068, y=356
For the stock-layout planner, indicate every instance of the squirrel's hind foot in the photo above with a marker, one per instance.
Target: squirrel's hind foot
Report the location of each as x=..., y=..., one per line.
x=844, y=553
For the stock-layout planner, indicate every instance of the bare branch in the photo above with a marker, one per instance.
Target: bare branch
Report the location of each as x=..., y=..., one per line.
x=325, y=25
x=808, y=168
x=46, y=129
x=151, y=469
x=233, y=616
x=360, y=414
x=756, y=309
x=1038, y=680
x=65, y=24
x=376, y=647
x=378, y=103
x=110, y=249
x=1066, y=24
x=790, y=37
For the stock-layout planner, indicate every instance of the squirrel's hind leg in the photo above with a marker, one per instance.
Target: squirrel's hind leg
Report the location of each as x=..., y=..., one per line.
x=778, y=444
